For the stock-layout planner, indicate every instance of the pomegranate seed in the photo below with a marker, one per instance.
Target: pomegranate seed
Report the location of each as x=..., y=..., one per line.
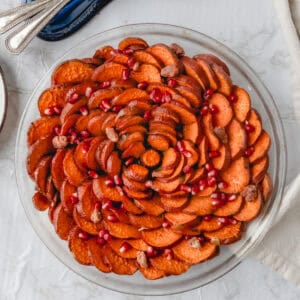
x=166, y=97
x=101, y=241
x=169, y=254
x=109, y=182
x=148, y=115
x=84, y=110
x=249, y=128
x=131, y=62
x=125, y=74
x=212, y=173
x=232, y=98
x=156, y=95
x=49, y=111
x=217, y=203
x=165, y=224
x=98, y=206
x=249, y=151
x=116, y=51
x=201, y=239
x=208, y=93
x=118, y=180
x=187, y=237
x=120, y=190
x=148, y=184
x=231, y=197
x=85, y=134
x=187, y=169
x=215, y=195
x=222, y=185
x=125, y=247
x=113, y=218
x=143, y=85
x=93, y=174
x=203, y=182
x=105, y=84
x=128, y=51
x=213, y=154
x=57, y=130
x=151, y=252
x=88, y=92
x=213, y=109
x=180, y=146
x=204, y=110
x=185, y=188
x=117, y=108
x=195, y=189
x=129, y=161
x=83, y=235
x=223, y=220
x=57, y=109
x=103, y=232
x=207, y=218
x=107, y=237
x=172, y=83
x=211, y=181
x=232, y=221
x=85, y=147
x=107, y=205
x=105, y=103
x=187, y=154
x=209, y=167
x=73, y=199
x=73, y=98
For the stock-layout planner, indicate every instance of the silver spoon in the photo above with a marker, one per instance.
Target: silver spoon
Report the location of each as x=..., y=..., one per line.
x=18, y=40
x=14, y=16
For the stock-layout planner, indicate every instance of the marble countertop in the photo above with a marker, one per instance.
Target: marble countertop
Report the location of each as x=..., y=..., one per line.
x=27, y=269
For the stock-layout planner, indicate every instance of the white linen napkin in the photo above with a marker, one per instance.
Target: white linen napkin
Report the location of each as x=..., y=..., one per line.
x=280, y=249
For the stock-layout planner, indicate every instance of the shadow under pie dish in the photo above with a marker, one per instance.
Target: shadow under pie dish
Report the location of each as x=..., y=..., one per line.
x=148, y=158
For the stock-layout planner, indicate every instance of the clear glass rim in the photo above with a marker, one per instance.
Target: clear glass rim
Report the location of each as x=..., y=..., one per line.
x=280, y=142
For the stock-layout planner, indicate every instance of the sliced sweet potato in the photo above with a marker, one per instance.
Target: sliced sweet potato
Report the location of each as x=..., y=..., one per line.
x=243, y=104
x=141, y=105
x=97, y=257
x=128, y=95
x=207, y=191
x=130, y=206
x=261, y=147
x=230, y=208
x=192, y=132
x=237, y=175
x=69, y=123
x=36, y=151
x=119, y=58
x=174, y=204
x=67, y=190
x=79, y=247
x=193, y=157
x=150, y=158
x=193, y=95
x=224, y=115
x=156, y=126
x=132, y=41
x=196, y=175
x=94, y=125
x=40, y=202
x=146, y=72
x=146, y=58
x=169, y=267
x=122, y=231
x=253, y=119
x=211, y=225
x=259, y=169
x=164, y=134
x=116, y=244
x=250, y=210
x=145, y=221
x=161, y=237
x=119, y=265
x=113, y=164
x=102, y=94
x=227, y=234
x=91, y=153
x=221, y=162
x=132, y=184
x=63, y=223
x=179, y=218
x=137, y=194
x=153, y=207
x=108, y=72
x=104, y=52
x=131, y=129
x=50, y=190
x=129, y=121
x=138, y=244
x=213, y=141
x=82, y=121
x=185, y=252
x=135, y=149
x=177, y=170
x=225, y=83
x=170, y=159
x=184, y=80
x=137, y=172
x=200, y=206
x=85, y=225
x=152, y=273
x=126, y=141
x=158, y=142
x=166, y=187
x=203, y=152
x=195, y=71
x=103, y=151
x=70, y=109
x=186, y=115
x=101, y=190
x=161, y=113
x=72, y=71
x=237, y=138
x=41, y=173
x=267, y=187
x=212, y=59
x=92, y=61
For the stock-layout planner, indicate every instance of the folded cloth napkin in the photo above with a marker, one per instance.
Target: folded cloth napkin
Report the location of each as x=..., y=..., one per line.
x=280, y=249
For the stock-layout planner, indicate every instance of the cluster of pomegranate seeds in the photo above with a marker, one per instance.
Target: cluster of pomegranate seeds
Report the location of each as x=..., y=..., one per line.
x=151, y=252
x=105, y=105
x=227, y=220
x=249, y=151
x=103, y=236
x=53, y=110
x=125, y=247
x=93, y=174
x=208, y=93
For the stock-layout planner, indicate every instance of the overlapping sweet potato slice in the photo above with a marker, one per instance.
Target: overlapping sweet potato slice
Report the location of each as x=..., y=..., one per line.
x=85, y=225
x=225, y=83
x=63, y=223
x=70, y=109
x=259, y=169
x=122, y=231
x=147, y=58
x=108, y=72
x=96, y=256
x=254, y=120
x=41, y=173
x=200, y=206
x=116, y=245
x=146, y=72
x=72, y=71
x=223, y=160
x=191, y=94
x=102, y=190
x=67, y=190
x=230, y=208
x=261, y=147
x=212, y=59
x=153, y=207
x=102, y=94
x=132, y=42
x=169, y=266
x=186, y=115
x=152, y=273
x=128, y=95
x=242, y=104
x=161, y=237
x=187, y=81
x=224, y=111
x=40, y=202
x=237, y=138
x=133, y=184
x=145, y=221
x=104, y=52
x=174, y=204
x=203, y=152
x=179, y=218
x=267, y=187
x=150, y=158
x=190, y=255
x=213, y=141
x=212, y=224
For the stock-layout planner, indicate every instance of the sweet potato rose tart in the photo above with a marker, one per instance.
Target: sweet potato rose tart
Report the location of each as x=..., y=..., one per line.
x=147, y=159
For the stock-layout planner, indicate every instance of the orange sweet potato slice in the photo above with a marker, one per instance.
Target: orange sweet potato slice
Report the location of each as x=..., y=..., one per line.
x=250, y=210
x=164, y=134
x=129, y=121
x=101, y=190
x=137, y=194
x=200, y=206
x=126, y=141
x=119, y=265
x=36, y=151
x=259, y=169
x=221, y=162
x=187, y=81
x=185, y=252
x=96, y=256
x=203, y=152
x=82, y=121
x=70, y=109
x=87, y=200
x=237, y=175
x=91, y=162
x=174, y=204
x=166, y=187
x=227, y=234
x=261, y=147
x=243, y=104
x=179, y=218
x=40, y=202
x=85, y=225
x=67, y=190
x=169, y=267
x=41, y=128
x=156, y=126
x=119, y=58
x=161, y=237
x=104, y=150
x=122, y=231
x=267, y=187
x=150, y=158
x=41, y=173
x=92, y=61
x=186, y=115
x=165, y=114
x=224, y=115
x=195, y=71
x=132, y=129
x=194, y=156
x=254, y=120
x=135, y=149
x=158, y=142
x=177, y=170
x=141, y=105
x=210, y=225
x=94, y=125
x=72, y=172
x=146, y=72
x=128, y=95
x=192, y=132
x=153, y=207
x=225, y=83
x=213, y=141
x=138, y=244
x=237, y=138
x=79, y=247
x=98, y=96
x=72, y=71
x=146, y=58
x=196, y=175
x=104, y=52
x=145, y=221
x=69, y=123
x=113, y=164
x=212, y=59
x=108, y=72
x=193, y=95
x=116, y=244
x=63, y=223
x=130, y=206
x=132, y=184
x=137, y=172
x=132, y=41
x=230, y=208
x=152, y=273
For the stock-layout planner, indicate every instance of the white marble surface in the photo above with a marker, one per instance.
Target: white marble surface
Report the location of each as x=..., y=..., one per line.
x=27, y=269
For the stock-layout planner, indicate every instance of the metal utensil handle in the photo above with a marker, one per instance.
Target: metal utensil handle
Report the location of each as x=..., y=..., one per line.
x=17, y=41
x=12, y=17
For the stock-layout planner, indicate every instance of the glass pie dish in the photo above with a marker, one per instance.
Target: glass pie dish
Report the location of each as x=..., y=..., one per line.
x=193, y=42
